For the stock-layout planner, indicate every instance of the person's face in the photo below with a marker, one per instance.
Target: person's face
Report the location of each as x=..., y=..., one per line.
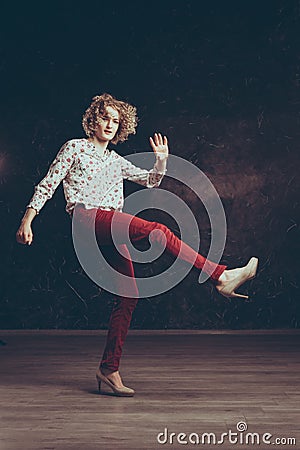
x=108, y=125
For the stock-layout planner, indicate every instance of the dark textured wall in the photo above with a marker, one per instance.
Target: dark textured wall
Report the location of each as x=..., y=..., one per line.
x=221, y=79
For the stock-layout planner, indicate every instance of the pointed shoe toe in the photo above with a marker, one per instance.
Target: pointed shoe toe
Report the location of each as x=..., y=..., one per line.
x=227, y=288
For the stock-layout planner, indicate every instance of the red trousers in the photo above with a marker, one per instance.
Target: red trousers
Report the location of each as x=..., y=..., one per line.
x=138, y=229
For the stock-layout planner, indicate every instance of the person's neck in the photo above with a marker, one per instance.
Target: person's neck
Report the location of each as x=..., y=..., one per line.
x=101, y=146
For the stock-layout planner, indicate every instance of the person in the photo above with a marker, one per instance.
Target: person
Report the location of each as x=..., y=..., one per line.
x=109, y=120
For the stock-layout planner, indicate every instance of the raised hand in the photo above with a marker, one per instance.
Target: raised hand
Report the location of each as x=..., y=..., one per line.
x=159, y=145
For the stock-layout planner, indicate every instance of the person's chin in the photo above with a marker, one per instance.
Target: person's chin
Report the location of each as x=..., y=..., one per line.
x=109, y=137
x=106, y=138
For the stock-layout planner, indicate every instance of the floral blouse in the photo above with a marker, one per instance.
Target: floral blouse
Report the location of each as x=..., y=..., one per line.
x=96, y=181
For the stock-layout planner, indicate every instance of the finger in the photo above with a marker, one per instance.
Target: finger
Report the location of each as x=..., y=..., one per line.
x=27, y=238
x=20, y=240
x=152, y=144
x=156, y=139
x=30, y=238
x=160, y=139
x=165, y=140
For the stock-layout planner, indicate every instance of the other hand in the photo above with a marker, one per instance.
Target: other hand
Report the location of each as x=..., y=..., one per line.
x=24, y=234
x=159, y=145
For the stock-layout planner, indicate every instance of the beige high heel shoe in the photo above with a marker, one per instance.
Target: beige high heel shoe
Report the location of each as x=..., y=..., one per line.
x=228, y=287
x=120, y=392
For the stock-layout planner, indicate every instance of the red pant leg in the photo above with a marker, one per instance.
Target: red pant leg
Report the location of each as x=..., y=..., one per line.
x=122, y=308
x=140, y=229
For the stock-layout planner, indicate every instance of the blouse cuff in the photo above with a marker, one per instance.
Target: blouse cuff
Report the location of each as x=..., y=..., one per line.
x=36, y=210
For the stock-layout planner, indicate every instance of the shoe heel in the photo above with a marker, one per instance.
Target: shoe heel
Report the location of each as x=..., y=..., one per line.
x=235, y=294
x=99, y=385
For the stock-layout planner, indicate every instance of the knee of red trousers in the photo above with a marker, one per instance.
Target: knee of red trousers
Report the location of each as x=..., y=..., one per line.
x=121, y=315
x=159, y=233
x=125, y=303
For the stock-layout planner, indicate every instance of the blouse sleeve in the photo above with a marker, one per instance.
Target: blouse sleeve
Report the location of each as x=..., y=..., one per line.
x=56, y=173
x=149, y=178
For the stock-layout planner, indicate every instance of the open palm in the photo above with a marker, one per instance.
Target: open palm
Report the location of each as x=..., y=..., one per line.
x=159, y=145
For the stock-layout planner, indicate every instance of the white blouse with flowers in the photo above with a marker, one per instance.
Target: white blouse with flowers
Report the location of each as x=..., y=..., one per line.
x=96, y=181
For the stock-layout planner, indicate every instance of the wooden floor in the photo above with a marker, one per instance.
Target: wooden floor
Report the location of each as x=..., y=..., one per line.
x=185, y=383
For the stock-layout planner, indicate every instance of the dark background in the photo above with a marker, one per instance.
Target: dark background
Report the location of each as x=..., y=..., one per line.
x=221, y=79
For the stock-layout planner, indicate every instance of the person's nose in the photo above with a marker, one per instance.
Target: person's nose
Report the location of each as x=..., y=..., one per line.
x=109, y=123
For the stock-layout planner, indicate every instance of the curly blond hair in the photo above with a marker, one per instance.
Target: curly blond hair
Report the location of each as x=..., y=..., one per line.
x=127, y=116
